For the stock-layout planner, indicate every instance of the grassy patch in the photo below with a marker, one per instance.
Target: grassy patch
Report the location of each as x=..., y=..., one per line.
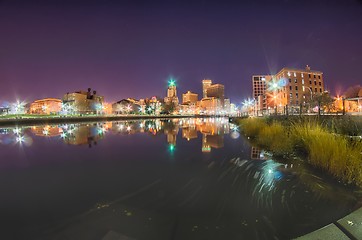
x=336, y=154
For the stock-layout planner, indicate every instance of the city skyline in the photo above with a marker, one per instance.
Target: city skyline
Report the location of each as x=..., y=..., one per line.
x=132, y=49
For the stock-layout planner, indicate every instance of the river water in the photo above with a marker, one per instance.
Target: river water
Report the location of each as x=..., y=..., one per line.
x=157, y=179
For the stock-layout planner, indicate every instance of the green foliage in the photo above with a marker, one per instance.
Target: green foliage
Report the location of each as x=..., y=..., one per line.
x=252, y=126
x=334, y=153
x=276, y=138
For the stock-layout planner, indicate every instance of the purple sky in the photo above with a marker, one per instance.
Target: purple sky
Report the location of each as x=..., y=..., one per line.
x=131, y=48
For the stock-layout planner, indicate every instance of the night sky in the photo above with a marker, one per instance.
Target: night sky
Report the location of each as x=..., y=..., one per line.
x=131, y=48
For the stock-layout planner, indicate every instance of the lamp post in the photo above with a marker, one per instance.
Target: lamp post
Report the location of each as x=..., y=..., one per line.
x=343, y=106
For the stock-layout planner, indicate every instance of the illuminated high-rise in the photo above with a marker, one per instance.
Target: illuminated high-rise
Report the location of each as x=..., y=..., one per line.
x=171, y=93
x=205, y=84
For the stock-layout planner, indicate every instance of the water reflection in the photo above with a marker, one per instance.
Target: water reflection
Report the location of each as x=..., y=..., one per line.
x=212, y=131
x=128, y=179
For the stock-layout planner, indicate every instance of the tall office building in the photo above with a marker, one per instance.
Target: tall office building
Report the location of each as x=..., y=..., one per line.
x=205, y=84
x=216, y=91
x=171, y=94
x=260, y=85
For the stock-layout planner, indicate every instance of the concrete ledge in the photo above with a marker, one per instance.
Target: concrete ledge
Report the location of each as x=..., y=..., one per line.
x=328, y=232
x=352, y=224
x=349, y=227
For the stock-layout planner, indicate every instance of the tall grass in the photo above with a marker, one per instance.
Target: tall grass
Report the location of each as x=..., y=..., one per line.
x=333, y=153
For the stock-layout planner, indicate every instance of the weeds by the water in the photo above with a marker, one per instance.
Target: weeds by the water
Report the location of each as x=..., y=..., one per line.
x=334, y=153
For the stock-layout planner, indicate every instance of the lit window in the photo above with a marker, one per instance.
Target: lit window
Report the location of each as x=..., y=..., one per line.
x=295, y=74
x=302, y=74
x=289, y=74
x=302, y=81
x=303, y=88
x=295, y=80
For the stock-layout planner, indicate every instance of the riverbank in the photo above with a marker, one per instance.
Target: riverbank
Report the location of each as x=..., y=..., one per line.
x=336, y=154
x=40, y=120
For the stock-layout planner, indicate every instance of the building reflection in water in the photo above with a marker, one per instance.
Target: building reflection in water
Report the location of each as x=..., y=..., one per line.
x=257, y=154
x=212, y=131
x=84, y=134
x=47, y=131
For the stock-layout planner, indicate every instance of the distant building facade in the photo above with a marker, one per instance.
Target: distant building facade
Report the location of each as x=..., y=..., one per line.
x=189, y=98
x=213, y=97
x=299, y=85
x=125, y=106
x=290, y=87
x=82, y=102
x=46, y=106
x=216, y=91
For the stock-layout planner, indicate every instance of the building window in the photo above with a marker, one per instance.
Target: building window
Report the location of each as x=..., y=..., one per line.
x=319, y=76
x=320, y=84
x=290, y=80
x=320, y=90
x=302, y=75
x=310, y=82
x=291, y=95
x=309, y=75
x=303, y=88
x=314, y=75
x=302, y=81
x=289, y=74
x=315, y=90
x=296, y=88
x=297, y=102
x=290, y=88
x=295, y=74
x=295, y=80
x=296, y=95
x=315, y=82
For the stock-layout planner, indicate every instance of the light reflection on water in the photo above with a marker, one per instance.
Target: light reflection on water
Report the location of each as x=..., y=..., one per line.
x=157, y=179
